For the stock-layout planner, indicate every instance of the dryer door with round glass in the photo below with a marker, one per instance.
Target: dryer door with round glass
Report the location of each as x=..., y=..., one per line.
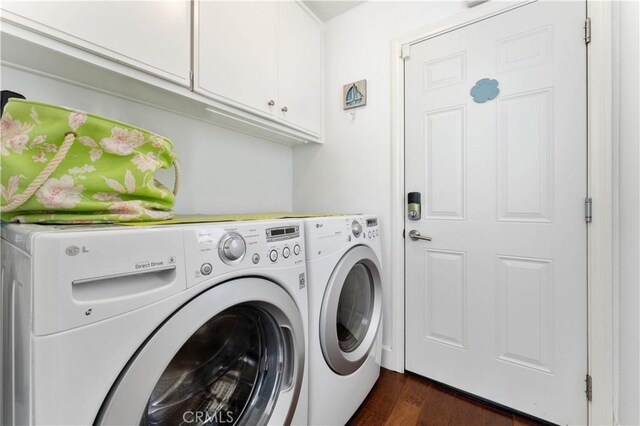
x=232, y=355
x=351, y=310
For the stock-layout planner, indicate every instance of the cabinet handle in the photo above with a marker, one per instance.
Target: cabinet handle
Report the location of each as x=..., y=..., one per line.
x=271, y=102
x=285, y=109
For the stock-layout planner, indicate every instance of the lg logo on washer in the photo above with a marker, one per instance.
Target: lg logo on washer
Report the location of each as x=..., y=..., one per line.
x=75, y=250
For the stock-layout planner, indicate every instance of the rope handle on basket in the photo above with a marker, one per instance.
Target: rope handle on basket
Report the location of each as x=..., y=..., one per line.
x=176, y=181
x=53, y=165
x=44, y=174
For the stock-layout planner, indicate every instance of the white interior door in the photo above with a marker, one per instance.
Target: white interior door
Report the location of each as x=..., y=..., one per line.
x=496, y=301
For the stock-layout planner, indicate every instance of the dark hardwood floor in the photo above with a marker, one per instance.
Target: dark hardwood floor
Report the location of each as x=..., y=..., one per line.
x=407, y=399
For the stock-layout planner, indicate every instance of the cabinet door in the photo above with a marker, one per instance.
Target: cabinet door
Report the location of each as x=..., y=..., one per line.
x=236, y=52
x=153, y=36
x=300, y=67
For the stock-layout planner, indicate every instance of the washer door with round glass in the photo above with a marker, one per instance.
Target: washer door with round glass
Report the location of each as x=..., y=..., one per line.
x=351, y=310
x=232, y=355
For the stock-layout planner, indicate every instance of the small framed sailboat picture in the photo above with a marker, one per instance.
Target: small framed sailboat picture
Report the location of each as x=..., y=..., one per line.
x=354, y=95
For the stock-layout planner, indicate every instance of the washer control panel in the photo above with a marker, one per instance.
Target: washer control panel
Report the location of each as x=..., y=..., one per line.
x=329, y=234
x=214, y=249
x=362, y=229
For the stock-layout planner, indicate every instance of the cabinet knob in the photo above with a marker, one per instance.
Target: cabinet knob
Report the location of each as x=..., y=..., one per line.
x=271, y=102
x=285, y=109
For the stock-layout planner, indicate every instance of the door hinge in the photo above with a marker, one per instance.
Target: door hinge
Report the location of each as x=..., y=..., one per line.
x=405, y=51
x=588, y=387
x=588, y=210
x=587, y=31
x=191, y=79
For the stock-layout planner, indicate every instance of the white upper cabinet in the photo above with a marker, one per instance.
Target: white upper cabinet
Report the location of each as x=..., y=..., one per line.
x=263, y=56
x=253, y=65
x=300, y=67
x=236, y=53
x=153, y=36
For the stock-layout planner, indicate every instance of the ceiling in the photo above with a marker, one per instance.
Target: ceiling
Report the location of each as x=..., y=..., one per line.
x=328, y=9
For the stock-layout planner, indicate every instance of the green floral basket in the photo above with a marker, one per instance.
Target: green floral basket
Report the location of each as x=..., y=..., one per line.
x=60, y=165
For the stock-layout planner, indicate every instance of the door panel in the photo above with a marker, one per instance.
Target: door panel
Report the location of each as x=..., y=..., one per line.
x=444, y=161
x=236, y=52
x=151, y=36
x=299, y=67
x=496, y=302
x=445, y=297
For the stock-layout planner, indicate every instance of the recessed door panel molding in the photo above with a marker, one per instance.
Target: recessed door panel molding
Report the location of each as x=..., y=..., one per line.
x=444, y=158
x=445, y=297
x=524, y=314
x=526, y=49
x=445, y=71
x=525, y=157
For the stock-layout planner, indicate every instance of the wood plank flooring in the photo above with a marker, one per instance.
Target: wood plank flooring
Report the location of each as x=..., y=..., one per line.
x=407, y=399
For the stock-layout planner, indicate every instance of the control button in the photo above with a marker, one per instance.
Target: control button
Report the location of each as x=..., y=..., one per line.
x=206, y=269
x=296, y=249
x=273, y=255
x=369, y=234
x=286, y=252
x=356, y=228
x=377, y=232
x=256, y=258
x=232, y=248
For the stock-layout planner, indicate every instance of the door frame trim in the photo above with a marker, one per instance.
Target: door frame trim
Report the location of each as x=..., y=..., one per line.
x=600, y=291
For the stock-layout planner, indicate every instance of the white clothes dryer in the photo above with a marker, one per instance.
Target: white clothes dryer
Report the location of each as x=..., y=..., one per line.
x=345, y=307
x=194, y=324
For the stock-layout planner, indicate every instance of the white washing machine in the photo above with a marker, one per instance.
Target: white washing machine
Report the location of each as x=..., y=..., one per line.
x=345, y=308
x=154, y=325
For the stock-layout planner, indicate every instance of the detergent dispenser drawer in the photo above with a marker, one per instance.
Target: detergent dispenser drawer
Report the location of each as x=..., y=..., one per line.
x=90, y=276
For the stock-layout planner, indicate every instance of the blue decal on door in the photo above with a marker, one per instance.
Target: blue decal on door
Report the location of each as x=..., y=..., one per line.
x=485, y=90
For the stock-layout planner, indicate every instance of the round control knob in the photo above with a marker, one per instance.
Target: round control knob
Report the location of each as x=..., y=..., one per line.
x=286, y=252
x=231, y=248
x=356, y=228
x=206, y=269
x=296, y=249
x=273, y=255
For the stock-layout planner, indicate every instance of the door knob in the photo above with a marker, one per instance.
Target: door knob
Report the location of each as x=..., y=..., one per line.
x=415, y=236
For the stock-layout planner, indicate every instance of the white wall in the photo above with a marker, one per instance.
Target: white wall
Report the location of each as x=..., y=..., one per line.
x=626, y=68
x=223, y=171
x=351, y=172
